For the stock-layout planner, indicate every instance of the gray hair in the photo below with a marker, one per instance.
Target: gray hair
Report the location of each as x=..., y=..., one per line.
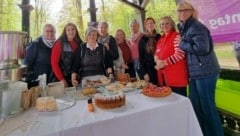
x=49, y=25
x=89, y=30
x=103, y=23
x=134, y=21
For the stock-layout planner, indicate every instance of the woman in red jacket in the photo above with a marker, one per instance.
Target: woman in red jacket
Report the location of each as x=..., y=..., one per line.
x=170, y=60
x=63, y=52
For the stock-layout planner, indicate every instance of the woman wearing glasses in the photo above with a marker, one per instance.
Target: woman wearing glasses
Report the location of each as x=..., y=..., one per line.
x=170, y=60
x=203, y=68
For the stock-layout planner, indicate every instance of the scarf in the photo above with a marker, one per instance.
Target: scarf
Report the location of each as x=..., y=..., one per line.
x=48, y=43
x=104, y=40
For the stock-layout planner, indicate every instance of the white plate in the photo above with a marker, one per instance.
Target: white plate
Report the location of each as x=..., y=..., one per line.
x=93, y=78
x=64, y=103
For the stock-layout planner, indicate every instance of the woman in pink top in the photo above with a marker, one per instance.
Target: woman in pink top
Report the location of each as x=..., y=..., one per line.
x=133, y=45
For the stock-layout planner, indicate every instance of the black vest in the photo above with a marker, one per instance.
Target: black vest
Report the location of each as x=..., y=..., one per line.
x=92, y=62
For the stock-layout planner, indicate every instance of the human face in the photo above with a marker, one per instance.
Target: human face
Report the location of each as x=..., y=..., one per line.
x=134, y=28
x=103, y=30
x=92, y=37
x=184, y=13
x=150, y=26
x=120, y=37
x=165, y=26
x=70, y=32
x=49, y=33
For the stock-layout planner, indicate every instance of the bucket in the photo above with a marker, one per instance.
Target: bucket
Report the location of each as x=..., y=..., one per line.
x=12, y=49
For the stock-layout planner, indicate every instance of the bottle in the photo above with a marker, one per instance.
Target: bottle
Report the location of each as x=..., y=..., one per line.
x=90, y=105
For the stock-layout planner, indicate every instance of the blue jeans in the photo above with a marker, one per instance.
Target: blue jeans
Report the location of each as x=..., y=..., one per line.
x=138, y=69
x=202, y=96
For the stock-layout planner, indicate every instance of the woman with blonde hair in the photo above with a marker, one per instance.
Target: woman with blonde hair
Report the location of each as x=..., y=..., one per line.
x=124, y=53
x=203, y=67
x=170, y=59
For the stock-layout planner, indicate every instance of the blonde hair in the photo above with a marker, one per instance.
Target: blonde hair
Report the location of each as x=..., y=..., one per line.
x=120, y=30
x=168, y=18
x=187, y=5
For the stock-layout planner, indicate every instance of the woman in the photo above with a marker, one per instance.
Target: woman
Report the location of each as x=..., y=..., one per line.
x=92, y=58
x=63, y=52
x=133, y=43
x=126, y=53
x=107, y=40
x=38, y=53
x=147, y=47
x=203, y=68
x=170, y=60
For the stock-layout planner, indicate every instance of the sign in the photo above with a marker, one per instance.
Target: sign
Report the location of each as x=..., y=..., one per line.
x=222, y=17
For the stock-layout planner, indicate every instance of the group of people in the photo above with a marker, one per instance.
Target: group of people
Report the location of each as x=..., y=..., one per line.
x=174, y=58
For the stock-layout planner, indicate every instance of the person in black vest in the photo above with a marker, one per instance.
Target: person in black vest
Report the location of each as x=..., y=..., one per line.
x=38, y=53
x=62, y=54
x=92, y=58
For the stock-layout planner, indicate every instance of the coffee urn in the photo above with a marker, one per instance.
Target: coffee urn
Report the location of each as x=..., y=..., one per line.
x=12, y=71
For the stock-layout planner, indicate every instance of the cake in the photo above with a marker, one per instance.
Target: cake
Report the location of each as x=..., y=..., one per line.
x=46, y=104
x=123, y=78
x=110, y=101
x=115, y=87
x=154, y=91
x=137, y=84
x=89, y=90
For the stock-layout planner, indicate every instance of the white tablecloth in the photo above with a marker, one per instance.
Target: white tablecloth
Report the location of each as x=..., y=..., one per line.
x=141, y=116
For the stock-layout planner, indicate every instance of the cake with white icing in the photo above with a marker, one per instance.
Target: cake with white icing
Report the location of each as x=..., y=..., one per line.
x=110, y=101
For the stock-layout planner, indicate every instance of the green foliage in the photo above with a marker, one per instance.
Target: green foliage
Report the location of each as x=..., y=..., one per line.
x=71, y=12
x=160, y=8
x=10, y=19
x=39, y=17
x=118, y=15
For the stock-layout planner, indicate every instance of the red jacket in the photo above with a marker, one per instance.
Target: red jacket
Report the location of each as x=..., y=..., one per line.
x=175, y=74
x=56, y=56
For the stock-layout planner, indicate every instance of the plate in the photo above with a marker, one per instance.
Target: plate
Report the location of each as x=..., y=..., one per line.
x=80, y=96
x=64, y=103
x=95, y=81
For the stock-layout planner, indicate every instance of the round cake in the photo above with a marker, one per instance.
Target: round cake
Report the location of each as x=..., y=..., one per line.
x=123, y=78
x=110, y=101
x=154, y=91
x=89, y=90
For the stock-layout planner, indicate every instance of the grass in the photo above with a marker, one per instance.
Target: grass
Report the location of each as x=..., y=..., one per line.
x=225, y=55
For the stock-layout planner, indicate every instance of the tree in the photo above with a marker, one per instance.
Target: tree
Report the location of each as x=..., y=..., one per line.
x=9, y=16
x=72, y=12
x=39, y=16
x=160, y=8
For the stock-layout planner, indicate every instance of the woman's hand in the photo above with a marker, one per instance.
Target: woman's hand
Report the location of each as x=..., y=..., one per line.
x=146, y=77
x=74, y=79
x=107, y=46
x=160, y=64
x=64, y=83
x=177, y=40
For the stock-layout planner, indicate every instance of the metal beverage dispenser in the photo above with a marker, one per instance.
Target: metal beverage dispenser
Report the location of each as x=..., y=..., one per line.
x=12, y=70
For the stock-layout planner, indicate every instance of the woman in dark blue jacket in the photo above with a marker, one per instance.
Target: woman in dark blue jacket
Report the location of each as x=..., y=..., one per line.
x=38, y=53
x=203, y=68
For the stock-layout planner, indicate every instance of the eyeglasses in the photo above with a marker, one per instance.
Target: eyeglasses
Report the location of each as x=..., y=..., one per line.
x=167, y=23
x=184, y=10
x=49, y=31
